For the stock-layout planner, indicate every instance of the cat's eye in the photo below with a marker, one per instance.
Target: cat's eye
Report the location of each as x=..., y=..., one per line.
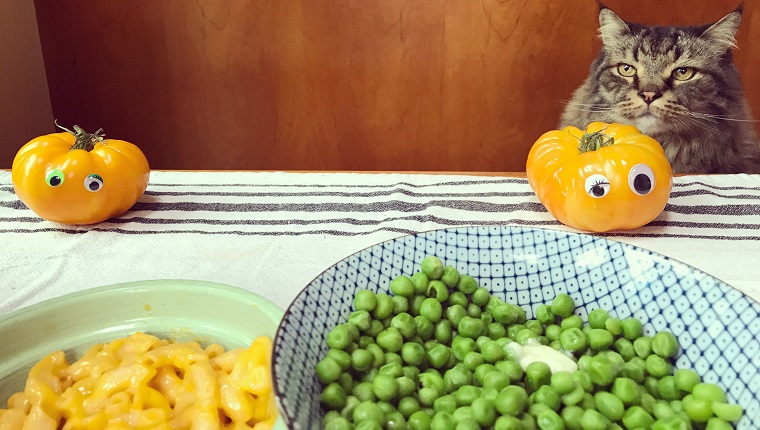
x=684, y=73
x=626, y=70
x=641, y=179
x=597, y=186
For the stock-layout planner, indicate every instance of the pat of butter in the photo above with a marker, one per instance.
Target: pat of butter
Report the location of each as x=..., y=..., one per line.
x=533, y=352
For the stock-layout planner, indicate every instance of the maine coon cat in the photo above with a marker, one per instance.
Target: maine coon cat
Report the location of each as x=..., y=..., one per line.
x=675, y=84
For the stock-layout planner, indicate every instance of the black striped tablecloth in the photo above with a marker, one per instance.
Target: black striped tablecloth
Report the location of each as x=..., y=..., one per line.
x=272, y=233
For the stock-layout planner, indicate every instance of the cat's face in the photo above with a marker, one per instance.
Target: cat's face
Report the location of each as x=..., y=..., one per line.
x=658, y=78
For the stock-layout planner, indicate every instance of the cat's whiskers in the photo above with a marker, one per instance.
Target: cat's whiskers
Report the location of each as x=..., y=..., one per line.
x=587, y=107
x=718, y=118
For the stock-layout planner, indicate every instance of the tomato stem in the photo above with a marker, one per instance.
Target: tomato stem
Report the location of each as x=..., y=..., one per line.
x=594, y=141
x=84, y=140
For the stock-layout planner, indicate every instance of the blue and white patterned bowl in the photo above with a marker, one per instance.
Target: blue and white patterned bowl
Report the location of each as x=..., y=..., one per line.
x=716, y=325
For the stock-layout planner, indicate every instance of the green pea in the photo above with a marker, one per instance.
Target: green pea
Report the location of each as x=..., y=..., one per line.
x=597, y=318
x=470, y=327
x=445, y=403
x=456, y=377
x=513, y=329
x=484, y=412
x=374, y=329
x=587, y=402
x=474, y=310
x=419, y=420
x=511, y=400
x=665, y=344
x=339, y=337
x=461, y=345
x=395, y=421
x=573, y=321
x=666, y=387
x=368, y=425
x=450, y=276
x=698, y=409
x=563, y=382
x=467, y=284
x=425, y=327
x=438, y=356
x=563, y=305
x=365, y=300
x=364, y=391
x=544, y=314
x=420, y=281
x=547, y=395
x=574, y=397
x=496, y=330
x=413, y=353
x=341, y=357
x=708, y=391
x=394, y=369
x=361, y=319
x=407, y=406
x=636, y=417
x=627, y=390
x=609, y=405
x=573, y=340
x=328, y=370
x=432, y=267
x=443, y=421
x=553, y=332
x=672, y=422
x=593, y=420
x=624, y=347
x=438, y=290
x=346, y=381
x=727, y=411
x=534, y=326
x=686, y=379
x=458, y=298
x=658, y=366
x=385, y=387
x=405, y=325
x=400, y=304
x=614, y=326
x=643, y=346
x=526, y=336
x=472, y=360
x=512, y=369
x=507, y=422
x=572, y=416
x=504, y=313
x=455, y=313
x=528, y=422
x=365, y=340
x=431, y=309
x=362, y=360
x=390, y=339
x=383, y=306
x=496, y=380
x=601, y=371
x=339, y=423
x=367, y=411
x=632, y=328
x=550, y=420
x=466, y=394
x=492, y=352
x=427, y=395
x=406, y=386
x=600, y=339
x=442, y=331
x=333, y=397
x=402, y=286
x=467, y=423
x=377, y=353
x=415, y=303
x=647, y=401
x=351, y=403
x=537, y=374
x=662, y=410
x=480, y=296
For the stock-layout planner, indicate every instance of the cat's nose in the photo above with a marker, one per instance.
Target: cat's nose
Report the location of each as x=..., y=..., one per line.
x=649, y=96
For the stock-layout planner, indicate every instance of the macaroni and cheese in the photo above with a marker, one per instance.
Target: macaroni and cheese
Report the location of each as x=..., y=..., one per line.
x=143, y=382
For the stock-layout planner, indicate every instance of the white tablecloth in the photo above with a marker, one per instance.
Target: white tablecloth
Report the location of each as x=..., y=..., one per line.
x=272, y=233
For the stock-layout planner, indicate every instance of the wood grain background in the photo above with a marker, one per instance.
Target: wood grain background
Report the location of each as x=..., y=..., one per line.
x=452, y=85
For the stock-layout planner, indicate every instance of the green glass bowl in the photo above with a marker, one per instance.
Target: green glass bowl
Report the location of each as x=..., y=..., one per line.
x=180, y=310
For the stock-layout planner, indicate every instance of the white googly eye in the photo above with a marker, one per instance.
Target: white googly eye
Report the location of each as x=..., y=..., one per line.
x=93, y=183
x=597, y=186
x=641, y=179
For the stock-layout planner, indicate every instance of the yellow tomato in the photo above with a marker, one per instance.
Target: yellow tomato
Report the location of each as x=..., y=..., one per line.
x=610, y=177
x=76, y=177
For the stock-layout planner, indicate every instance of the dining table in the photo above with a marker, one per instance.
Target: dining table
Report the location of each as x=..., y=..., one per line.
x=273, y=232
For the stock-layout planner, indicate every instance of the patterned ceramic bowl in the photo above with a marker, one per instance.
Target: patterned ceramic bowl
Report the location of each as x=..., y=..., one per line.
x=716, y=325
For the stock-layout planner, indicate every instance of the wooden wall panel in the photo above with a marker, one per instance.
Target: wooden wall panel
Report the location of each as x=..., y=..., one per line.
x=25, y=110
x=456, y=85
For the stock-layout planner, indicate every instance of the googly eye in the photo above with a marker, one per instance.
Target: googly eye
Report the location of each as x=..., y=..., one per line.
x=54, y=178
x=641, y=179
x=93, y=183
x=597, y=186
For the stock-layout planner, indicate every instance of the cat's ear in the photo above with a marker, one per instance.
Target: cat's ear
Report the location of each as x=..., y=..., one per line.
x=723, y=32
x=611, y=27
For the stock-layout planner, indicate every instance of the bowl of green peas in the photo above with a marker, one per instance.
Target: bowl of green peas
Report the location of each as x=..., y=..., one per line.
x=515, y=328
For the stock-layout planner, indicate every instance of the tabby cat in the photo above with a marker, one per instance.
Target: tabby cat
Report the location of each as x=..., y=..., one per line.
x=675, y=84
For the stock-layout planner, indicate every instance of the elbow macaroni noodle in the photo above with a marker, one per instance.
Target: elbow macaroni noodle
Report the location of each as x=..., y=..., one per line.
x=143, y=382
